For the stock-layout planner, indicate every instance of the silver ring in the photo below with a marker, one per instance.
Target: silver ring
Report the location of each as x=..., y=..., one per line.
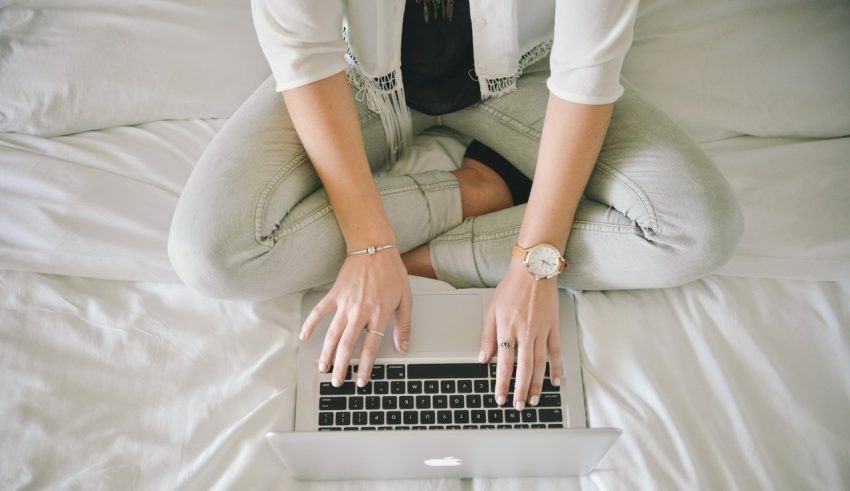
x=506, y=345
x=370, y=331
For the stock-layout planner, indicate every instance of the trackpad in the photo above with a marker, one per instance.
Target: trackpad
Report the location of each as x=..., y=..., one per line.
x=444, y=323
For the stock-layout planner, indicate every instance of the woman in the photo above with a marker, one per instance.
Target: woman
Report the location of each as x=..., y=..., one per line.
x=284, y=198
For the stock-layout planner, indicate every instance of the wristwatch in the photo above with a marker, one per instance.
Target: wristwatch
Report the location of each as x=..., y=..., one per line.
x=542, y=260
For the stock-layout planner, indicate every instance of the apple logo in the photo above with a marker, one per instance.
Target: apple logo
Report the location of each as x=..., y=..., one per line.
x=444, y=462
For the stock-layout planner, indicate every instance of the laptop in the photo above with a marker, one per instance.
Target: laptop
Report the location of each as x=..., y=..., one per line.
x=430, y=413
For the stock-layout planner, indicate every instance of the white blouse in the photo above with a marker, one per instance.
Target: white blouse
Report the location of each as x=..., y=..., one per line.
x=308, y=40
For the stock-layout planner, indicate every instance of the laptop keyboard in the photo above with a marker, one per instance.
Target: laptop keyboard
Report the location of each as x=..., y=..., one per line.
x=419, y=396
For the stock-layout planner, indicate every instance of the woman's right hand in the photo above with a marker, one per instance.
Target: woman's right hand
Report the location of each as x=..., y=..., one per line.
x=368, y=289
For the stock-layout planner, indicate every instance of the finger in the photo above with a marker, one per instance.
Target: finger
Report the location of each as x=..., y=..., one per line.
x=369, y=351
x=524, y=369
x=488, y=335
x=536, y=386
x=556, y=368
x=504, y=362
x=325, y=306
x=331, y=340
x=401, y=333
x=345, y=348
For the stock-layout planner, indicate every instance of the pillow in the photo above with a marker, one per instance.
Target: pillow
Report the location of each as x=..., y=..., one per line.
x=74, y=65
x=761, y=67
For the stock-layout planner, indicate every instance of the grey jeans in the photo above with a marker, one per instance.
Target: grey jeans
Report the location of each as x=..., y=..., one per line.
x=254, y=222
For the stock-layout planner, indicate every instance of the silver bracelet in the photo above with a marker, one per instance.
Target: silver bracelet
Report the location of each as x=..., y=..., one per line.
x=371, y=250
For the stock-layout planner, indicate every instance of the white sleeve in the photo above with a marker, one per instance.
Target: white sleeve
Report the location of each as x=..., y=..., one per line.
x=301, y=39
x=590, y=43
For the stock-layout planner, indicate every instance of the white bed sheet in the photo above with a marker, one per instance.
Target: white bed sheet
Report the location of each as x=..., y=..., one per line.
x=725, y=383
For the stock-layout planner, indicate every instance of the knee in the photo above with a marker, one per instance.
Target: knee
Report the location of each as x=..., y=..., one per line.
x=714, y=229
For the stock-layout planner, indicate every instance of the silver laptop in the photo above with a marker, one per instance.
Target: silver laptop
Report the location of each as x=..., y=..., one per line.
x=431, y=413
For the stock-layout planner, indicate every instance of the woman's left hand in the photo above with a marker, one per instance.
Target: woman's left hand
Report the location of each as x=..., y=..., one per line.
x=524, y=312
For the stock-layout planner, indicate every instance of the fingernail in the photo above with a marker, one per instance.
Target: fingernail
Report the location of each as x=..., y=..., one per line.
x=335, y=381
x=301, y=335
x=323, y=368
x=361, y=382
x=534, y=400
x=404, y=346
x=481, y=357
x=520, y=405
x=500, y=400
x=556, y=381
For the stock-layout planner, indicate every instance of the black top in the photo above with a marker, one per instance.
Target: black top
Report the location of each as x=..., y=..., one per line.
x=437, y=65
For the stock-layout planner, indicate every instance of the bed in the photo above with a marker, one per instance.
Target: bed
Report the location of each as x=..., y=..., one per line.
x=114, y=375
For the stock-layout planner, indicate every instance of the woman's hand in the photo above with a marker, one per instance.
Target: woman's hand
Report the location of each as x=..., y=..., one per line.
x=524, y=312
x=366, y=292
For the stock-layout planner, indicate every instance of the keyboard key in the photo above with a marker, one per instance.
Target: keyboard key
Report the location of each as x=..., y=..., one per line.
x=473, y=401
x=512, y=416
x=495, y=416
x=464, y=386
x=373, y=402
x=479, y=416
x=385, y=428
x=423, y=402
x=556, y=425
x=470, y=427
x=347, y=388
x=330, y=429
x=456, y=401
x=365, y=390
x=395, y=371
x=529, y=415
x=538, y=425
x=414, y=387
x=521, y=426
x=418, y=427
x=405, y=402
x=441, y=402
x=550, y=400
x=411, y=417
x=326, y=419
x=376, y=418
x=551, y=416
x=548, y=387
x=461, y=416
x=367, y=428
x=393, y=417
x=427, y=417
x=343, y=418
x=355, y=403
x=331, y=403
x=432, y=386
x=453, y=427
x=490, y=401
x=397, y=387
x=546, y=373
x=487, y=427
x=402, y=428
x=447, y=386
x=381, y=387
x=360, y=417
x=437, y=427
x=377, y=372
x=481, y=386
x=446, y=370
x=503, y=427
x=444, y=417
x=389, y=402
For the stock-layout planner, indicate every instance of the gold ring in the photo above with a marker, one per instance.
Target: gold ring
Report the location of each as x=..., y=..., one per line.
x=370, y=331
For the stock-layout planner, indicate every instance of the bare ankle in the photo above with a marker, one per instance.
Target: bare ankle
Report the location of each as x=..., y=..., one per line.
x=482, y=190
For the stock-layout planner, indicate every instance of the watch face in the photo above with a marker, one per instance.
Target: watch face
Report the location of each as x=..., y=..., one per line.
x=543, y=260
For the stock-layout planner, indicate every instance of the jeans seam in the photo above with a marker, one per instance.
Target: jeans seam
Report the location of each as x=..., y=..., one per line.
x=263, y=200
x=507, y=120
x=654, y=226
